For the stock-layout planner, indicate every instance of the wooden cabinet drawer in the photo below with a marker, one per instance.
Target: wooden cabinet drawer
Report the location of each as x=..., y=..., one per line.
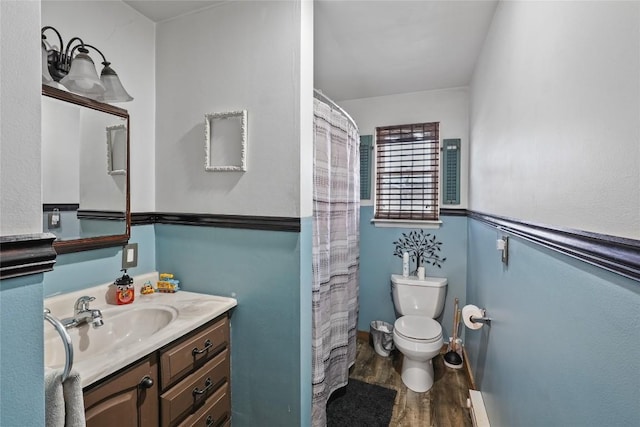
x=215, y=411
x=189, y=394
x=189, y=354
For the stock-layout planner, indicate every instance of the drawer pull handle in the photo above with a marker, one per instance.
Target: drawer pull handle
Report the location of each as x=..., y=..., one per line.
x=207, y=345
x=209, y=421
x=207, y=386
x=146, y=382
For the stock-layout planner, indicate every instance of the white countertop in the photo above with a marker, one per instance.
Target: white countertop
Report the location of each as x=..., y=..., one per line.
x=193, y=310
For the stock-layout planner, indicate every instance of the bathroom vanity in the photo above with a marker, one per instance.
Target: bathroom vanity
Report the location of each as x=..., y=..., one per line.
x=185, y=383
x=162, y=360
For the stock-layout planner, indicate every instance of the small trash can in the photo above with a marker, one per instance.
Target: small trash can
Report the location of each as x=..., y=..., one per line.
x=382, y=335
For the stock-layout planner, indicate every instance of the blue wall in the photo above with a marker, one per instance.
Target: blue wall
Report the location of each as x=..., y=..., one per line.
x=564, y=345
x=81, y=270
x=306, y=285
x=262, y=269
x=21, y=352
x=270, y=276
x=377, y=263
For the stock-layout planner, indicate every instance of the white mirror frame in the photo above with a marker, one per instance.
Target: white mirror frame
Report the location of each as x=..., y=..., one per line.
x=241, y=144
x=112, y=131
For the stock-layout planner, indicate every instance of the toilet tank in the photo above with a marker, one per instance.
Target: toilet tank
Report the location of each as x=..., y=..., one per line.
x=424, y=297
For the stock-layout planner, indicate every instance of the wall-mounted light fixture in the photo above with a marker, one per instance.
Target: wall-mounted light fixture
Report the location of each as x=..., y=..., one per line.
x=77, y=73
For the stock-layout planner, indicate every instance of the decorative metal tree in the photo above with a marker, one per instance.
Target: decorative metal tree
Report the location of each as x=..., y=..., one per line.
x=422, y=248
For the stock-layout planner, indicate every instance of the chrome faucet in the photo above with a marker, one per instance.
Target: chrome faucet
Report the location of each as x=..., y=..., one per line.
x=83, y=314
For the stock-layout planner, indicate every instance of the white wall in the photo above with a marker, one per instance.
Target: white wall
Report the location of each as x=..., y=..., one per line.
x=238, y=55
x=60, y=151
x=306, y=109
x=20, y=182
x=127, y=39
x=98, y=189
x=450, y=107
x=555, y=116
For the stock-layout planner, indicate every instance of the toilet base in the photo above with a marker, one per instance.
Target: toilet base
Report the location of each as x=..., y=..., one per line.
x=417, y=376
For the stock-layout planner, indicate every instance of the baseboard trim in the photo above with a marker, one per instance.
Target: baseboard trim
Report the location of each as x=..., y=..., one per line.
x=467, y=369
x=26, y=254
x=363, y=335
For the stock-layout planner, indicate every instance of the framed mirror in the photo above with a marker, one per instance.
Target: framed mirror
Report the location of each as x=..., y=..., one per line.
x=226, y=141
x=85, y=204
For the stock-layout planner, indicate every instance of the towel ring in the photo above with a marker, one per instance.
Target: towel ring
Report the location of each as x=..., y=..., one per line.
x=68, y=346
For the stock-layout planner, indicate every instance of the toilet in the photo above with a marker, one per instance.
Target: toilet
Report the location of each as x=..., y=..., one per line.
x=415, y=333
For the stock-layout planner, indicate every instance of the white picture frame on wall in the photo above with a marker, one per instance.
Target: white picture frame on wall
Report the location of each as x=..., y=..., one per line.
x=226, y=141
x=117, y=150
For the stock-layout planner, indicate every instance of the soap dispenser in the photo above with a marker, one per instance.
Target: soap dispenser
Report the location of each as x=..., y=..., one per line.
x=121, y=291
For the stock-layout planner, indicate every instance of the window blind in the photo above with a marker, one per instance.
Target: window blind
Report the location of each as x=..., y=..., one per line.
x=407, y=169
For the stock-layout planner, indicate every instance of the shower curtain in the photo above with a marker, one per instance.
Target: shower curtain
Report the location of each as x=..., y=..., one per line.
x=336, y=218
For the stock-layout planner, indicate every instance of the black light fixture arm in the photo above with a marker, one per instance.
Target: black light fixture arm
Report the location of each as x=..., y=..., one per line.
x=60, y=60
x=104, y=60
x=81, y=47
x=56, y=31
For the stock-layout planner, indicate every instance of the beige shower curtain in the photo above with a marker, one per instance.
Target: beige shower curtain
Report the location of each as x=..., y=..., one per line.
x=336, y=218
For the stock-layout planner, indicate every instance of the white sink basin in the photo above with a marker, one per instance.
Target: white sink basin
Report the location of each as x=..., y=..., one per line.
x=131, y=331
x=123, y=326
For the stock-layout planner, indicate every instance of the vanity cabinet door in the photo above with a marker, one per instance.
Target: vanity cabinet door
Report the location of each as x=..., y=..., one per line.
x=127, y=399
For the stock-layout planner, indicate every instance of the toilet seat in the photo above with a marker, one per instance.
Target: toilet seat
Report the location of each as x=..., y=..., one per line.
x=418, y=328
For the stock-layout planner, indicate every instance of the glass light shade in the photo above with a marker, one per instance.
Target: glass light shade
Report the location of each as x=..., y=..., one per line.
x=83, y=78
x=46, y=76
x=114, y=91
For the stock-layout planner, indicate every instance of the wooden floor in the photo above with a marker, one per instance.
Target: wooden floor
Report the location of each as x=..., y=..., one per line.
x=442, y=406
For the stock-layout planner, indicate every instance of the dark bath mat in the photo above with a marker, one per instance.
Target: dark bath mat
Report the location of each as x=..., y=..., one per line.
x=360, y=404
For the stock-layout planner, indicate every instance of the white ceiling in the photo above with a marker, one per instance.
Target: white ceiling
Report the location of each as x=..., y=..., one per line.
x=162, y=10
x=372, y=48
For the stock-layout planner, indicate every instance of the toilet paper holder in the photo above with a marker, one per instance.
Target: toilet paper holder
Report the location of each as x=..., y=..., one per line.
x=484, y=319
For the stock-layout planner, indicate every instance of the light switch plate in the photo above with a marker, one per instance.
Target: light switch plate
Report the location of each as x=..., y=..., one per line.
x=53, y=220
x=130, y=256
x=503, y=245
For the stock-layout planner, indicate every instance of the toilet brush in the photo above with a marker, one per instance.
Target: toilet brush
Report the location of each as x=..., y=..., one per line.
x=451, y=358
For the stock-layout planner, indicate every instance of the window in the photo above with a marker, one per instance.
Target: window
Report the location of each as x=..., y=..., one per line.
x=407, y=170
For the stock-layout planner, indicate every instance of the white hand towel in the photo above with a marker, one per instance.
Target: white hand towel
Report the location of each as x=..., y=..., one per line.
x=73, y=401
x=64, y=402
x=53, y=398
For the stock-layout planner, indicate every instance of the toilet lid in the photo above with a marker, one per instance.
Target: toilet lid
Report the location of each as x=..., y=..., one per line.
x=418, y=328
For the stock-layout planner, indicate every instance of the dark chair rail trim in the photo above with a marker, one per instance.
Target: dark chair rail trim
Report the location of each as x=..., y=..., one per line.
x=453, y=212
x=617, y=254
x=101, y=215
x=22, y=255
x=269, y=223
x=68, y=207
x=26, y=254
